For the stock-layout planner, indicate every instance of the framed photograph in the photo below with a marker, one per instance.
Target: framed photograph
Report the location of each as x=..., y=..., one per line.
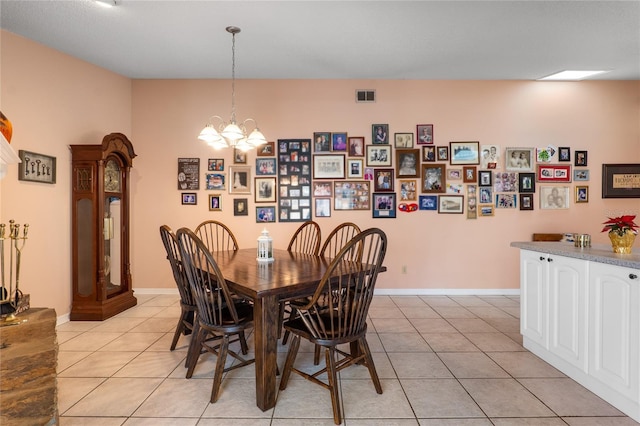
x=424, y=133
x=433, y=178
x=519, y=159
x=384, y=205
x=356, y=146
x=485, y=210
x=215, y=202
x=450, y=204
x=355, y=168
x=323, y=207
x=580, y=174
x=294, y=178
x=486, y=194
x=265, y=190
x=328, y=166
x=429, y=153
x=408, y=189
x=484, y=178
x=564, y=154
x=215, y=181
x=339, y=141
x=505, y=181
x=189, y=198
x=490, y=158
x=383, y=180
x=582, y=194
x=351, y=195
x=428, y=202
x=322, y=142
x=506, y=201
x=239, y=157
x=527, y=182
x=241, y=207
x=265, y=214
x=621, y=181
x=380, y=134
x=469, y=174
x=265, y=166
x=545, y=155
x=472, y=202
x=240, y=180
x=368, y=173
x=443, y=153
x=554, y=197
x=378, y=155
x=403, y=140
x=188, y=171
x=215, y=164
x=266, y=150
x=454, y=174
x=36, y=167
x=526, y=201
x=581, y=159
x=553, y=173
x=407, y=161
x=322, y=189
x=464, y=153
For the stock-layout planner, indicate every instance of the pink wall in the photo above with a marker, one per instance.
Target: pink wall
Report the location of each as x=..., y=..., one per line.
x=442, y=253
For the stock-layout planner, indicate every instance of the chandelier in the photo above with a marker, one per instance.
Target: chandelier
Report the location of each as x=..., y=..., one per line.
x=232, y=134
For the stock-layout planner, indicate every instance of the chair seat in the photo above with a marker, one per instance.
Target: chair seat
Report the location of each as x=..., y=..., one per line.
x=298, y=326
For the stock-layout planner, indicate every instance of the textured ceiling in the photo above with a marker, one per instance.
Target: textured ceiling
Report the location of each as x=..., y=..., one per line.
x=471, y=40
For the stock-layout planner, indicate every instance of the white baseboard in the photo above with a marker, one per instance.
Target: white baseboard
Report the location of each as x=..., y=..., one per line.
x=155, y=291
x=391, y=291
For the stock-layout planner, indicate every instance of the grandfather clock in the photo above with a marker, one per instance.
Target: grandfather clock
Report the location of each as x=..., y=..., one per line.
x=100, y=228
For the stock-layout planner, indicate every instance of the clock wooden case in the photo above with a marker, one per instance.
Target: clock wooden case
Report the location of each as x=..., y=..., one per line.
x=100, y=228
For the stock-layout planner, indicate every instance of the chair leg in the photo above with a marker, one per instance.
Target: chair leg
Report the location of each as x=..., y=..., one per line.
x=333, y=384
x=179, y=329
x=243, y=343
x=364, y=347
x=316, y=355
x=222, y=359
x=288, y=364
x=292, y=314
x=194, y=349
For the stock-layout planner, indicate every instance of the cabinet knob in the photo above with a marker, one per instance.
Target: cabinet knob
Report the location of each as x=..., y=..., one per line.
x=633, y=276
x=549, y=259
x=541, y=257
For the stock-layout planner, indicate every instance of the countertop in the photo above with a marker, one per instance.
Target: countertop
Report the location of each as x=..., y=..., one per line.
x=601, y=253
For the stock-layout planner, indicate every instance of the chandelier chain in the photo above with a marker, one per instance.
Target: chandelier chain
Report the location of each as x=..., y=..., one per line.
x=233, y=77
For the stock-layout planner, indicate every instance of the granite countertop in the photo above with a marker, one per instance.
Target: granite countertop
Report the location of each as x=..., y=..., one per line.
x=601, y=253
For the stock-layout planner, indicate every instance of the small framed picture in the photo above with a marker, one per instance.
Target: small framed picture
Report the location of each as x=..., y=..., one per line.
x=403, y=140
x=240, y=207
x=189, y=198
x=526, y=201
x=424, y=133
x=582, y=194
x=266, y=150
x=356, y=146
x=527, y=182
x=239, y=157
x=240, y=180
x=450, y=204
x=351, y=195
x=486, y=194
x=429, y=153
x=42, y=168
x=581, y=159
x=265, y=190
x=322, y=142
x=464, y=153
x=490, y=157
x=454, y=174
x=484, y=178
x=408, y=189
x=265, y=166
x=443, y=153
x=355, y=168
x=554, y=197
x=215, y=202
x=339, y=142
x=328, y=166
x=433, y=178
x=383, y=180
x=323, y=207
x=580, y=174
x=485, y=210
x=428, y=202
x=519, y=159
x=506, y=201
x=215, y=164
x=378, y=155
x=469, y=174
x=380, y=134
x=384, y=205
x=553, y=173
x=265, y=214
x=215, y=181
x=407, y=161
x=564, y=153
x=323, y=189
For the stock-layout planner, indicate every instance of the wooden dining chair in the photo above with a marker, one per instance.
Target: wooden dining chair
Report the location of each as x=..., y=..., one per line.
x=342, y=317
x=306, y=239
x=222, y=319
x=216, y=236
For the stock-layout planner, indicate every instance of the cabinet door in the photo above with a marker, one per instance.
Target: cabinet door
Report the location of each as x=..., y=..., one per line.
x=533, y=282
x=568, y=309
x=614, y=327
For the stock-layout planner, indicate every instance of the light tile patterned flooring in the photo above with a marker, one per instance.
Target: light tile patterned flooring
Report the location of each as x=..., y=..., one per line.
x=442, y=360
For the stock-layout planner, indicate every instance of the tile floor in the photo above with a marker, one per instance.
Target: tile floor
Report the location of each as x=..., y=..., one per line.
x=442, y=360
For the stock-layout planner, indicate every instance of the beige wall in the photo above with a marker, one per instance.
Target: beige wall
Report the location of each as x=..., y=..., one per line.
x=442, y=253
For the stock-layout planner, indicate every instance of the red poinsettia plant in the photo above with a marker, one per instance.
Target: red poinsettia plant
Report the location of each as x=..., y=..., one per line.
x=621, y=224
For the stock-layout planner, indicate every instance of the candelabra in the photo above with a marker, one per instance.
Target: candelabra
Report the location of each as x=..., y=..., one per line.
x=10, y=293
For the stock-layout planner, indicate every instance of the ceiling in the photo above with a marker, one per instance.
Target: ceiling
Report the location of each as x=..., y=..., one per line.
x=453, y=40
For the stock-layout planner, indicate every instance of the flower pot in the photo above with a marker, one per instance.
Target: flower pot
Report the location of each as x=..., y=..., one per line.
x=622, y=244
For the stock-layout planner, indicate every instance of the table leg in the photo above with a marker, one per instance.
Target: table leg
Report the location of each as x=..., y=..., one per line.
x=265, y=317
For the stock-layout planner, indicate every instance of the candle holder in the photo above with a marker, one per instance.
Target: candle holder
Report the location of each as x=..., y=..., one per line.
x=10, y=294
x=265, y=247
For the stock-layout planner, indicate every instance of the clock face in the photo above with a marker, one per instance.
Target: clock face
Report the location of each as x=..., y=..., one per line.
x=112, y=176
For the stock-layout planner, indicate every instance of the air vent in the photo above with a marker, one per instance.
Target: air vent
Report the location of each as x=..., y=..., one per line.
x=365, y=95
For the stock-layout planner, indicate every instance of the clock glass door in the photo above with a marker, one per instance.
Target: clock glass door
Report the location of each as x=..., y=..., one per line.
x=113, y=244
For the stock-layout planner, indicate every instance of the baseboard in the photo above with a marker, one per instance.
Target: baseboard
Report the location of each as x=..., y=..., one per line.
x=391, y=291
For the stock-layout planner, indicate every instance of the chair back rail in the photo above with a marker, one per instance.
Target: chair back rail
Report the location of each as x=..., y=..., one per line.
x=306, y=239
x=338, y=238
x=216, y=236
x=175, y=260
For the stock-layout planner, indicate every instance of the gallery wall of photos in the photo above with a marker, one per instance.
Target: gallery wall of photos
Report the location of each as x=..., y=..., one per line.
x=295, y=180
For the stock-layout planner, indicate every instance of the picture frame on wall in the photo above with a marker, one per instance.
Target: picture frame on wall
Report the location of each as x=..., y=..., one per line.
x=580, y=175
x=581, y=159
x=383, y=180
x=518, y=159
x=378, y=155
x=266, y=150
x=328, y=166
x=321, y=142
x=553, y=173
x=266, y=167
x=380, y=134
x=241, y=207
x=323, y=207
x=428, y=202
x=463, y=153
x=486, y=194
x=621, y=181
x=339, y=142
x=429, y=153
x=215, y=202
x=323, y=189
x=443, y=153
x=215, y=164
x=564, y=154
x=355, y=168
x=265, y=190
x=407, y=162
x=265, y=214
x=469, y=174
x=485, y=178
x=240, y=180
x=351, y=195
x=356, y=146
x=433, y=178
x=526, y=201
x=408, y=189
x=506, y=201
x=486, y=210
x=554, y=197
x=490, y=157
x=450, y=204
x=189, y=198
x=582, y=194
x=188, y=171
x=527, y=182
x=403, y=140
x=239, y=156
x=215, y=181
x=384, y=205
x=424, y=134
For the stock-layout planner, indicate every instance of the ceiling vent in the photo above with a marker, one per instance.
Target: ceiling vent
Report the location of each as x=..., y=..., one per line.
x=365, y=95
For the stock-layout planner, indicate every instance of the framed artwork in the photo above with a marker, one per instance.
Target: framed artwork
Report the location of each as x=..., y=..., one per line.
x=351, y=195
x=484, y=178
x=265, y=166
x=451, y=204
x=472, y=202
x=443, y=153
x=240, y=180
x=433, y=178
x=328, y=166
x=554, y=197
x=215, y=202
x=428, y=153
x=485, y=211
x=380, y=134
x=383, y=180
x=266, y=150
x=486, y=194
x=265, y=214
x=215, y=181
x=339, y=141
x=188, y=171
x=545, y=155
x=527, y=182
x=464, y=153
x=553, y=173
x=356, y=146
x=582, y=194
x=378, y=155
x=384, y=205
x=505, y=181
x=454, y=174
x=240, y=207
x=469, y=174
x=323, y=207
x=322, y=142
x=518, y=159
x=580, y=174
x=189, y=198
x=408, y=189
x=454, y=188
x=215, y=164
x=294, y=178
x=355, y=168
x=506, y=201
x=490, y=158
x=526, y=201
x=368, y=173
x=322, y=189
x=239, y=157
x=581, y=159
x=621, y=181
x=403, y=140
x=424, y=133
x=564, y=153
x=428, y=202
x=265, y=190
x=407, y=161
